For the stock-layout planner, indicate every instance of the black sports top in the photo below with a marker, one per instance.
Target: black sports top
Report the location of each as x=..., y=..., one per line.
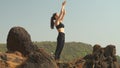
x=60, y=26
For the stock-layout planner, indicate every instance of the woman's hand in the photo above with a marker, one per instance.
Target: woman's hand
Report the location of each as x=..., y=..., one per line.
x=63, y=4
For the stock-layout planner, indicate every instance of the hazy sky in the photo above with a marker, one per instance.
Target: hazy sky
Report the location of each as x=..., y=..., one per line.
x=88, y=21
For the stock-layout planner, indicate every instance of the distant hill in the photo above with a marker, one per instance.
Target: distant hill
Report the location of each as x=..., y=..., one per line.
x=71, y=50
x=3, y=47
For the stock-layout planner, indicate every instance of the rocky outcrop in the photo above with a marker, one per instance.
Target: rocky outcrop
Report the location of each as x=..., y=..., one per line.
x=102, y=58
x=22, y=53
x=11, y=60
x=39, y=59
x=19, y=40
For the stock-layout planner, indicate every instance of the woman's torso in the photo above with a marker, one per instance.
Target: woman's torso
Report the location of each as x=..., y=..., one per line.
x=60, y=27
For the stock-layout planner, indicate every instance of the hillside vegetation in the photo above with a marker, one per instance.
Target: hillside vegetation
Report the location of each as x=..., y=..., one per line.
x=3, y=47
x=70, y=51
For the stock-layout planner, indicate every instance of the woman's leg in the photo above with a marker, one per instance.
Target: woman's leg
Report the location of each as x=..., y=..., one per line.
x=60, y=44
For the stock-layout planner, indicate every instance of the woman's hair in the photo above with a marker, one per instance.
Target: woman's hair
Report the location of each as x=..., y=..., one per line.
x=52, y=20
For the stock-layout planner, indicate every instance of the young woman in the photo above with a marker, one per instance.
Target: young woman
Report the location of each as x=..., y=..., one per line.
x=56, y=20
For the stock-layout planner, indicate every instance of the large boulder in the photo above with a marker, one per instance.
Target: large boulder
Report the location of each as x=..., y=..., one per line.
x=102, y=57
x=19, y=40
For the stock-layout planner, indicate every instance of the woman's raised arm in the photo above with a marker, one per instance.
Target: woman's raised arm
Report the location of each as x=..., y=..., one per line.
x=62, y=13
x=62, y=17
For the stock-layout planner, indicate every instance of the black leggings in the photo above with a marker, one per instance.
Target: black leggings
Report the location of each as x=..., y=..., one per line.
x=60, y=44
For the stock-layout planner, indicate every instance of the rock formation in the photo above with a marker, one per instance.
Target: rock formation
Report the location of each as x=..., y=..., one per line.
x=22, y=53
x=19, y=40
x=102, y=57
x=39, y=59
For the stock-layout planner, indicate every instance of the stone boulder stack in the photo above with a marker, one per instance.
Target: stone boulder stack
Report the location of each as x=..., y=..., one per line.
x=101, y=58
x=22, y=53
x=19, y=40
